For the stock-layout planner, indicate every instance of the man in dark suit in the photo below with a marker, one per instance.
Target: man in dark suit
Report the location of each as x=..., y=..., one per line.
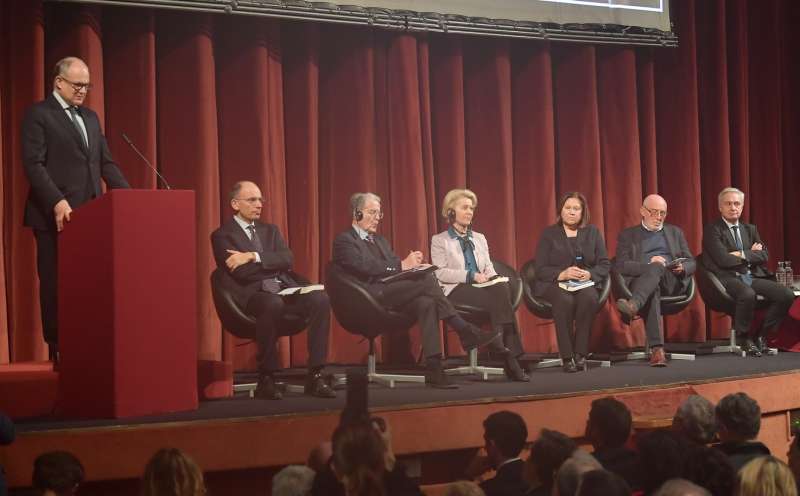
x=363, y=253
x=734, y=252
x=65, y=155
x=259, y=263
x=649, y=258
x=504, y=435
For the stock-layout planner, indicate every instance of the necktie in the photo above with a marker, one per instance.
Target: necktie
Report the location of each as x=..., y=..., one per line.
x=268, y=285
x=370, y=238
x=73, y=112
x=747, y=278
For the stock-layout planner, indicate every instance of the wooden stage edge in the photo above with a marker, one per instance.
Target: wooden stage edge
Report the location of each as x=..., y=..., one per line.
x=419, y=431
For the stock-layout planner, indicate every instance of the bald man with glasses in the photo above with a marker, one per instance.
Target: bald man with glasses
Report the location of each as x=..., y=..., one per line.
x=65, y=155
x=650, y=256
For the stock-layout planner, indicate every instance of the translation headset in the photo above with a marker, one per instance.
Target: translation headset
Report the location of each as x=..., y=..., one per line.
x=358, y=215
x=451, y=215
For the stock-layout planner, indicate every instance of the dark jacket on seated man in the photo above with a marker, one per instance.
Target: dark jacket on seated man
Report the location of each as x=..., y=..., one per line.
x=508, y=481
x=741, y=453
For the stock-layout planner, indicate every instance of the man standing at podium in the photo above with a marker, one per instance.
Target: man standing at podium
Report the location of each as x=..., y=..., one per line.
x=259, y=263
x=65, y=155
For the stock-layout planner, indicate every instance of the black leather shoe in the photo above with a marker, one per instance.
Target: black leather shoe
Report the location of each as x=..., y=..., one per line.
x=580, y=362
x=496, y=347
x=267, y=389
x=316, y=386
x=436, y=378
x=473, y=337
x=513, y=371
x=570, y=365
x=749, y=347
x=761, y=344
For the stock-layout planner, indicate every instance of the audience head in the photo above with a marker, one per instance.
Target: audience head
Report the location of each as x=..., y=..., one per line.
x=738, y=418
x=246, y=200
x=294, y=480
x=603, y=483
x=358, y=458
x=793, y=456
x=609, y=423
x=765, y=476
x=731, y=203
x=464, y=488
x=661, y=454
x=680, y=487
x=570, y=474
x=459, y=206
x=320, y=456
x=710, y=468
x=57, y=473
x=695, y=420
x=366, y=209
x=573, y=211
x=171, y=473
x=505, y=435
x=653, y=211
x=547, y=454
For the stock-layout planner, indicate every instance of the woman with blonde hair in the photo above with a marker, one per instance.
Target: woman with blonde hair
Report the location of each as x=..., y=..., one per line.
x=462, y=256
x=171, y=473
x=765, y=476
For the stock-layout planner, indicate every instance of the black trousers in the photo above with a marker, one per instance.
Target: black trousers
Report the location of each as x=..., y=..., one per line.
x=423, y=299
x=47, y=265
x=780, y=299
x=496, y=300
x=647, y=289
x=573, y=310
x=267, y=308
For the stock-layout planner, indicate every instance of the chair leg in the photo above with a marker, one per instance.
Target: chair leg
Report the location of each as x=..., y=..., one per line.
x=474, y=369
x=731, y=347
x=387, y=380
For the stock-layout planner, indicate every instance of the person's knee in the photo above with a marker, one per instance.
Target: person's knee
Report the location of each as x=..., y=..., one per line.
x=656, y=269
x=746, y=295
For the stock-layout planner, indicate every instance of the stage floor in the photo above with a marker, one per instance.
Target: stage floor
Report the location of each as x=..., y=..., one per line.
x=549, y=383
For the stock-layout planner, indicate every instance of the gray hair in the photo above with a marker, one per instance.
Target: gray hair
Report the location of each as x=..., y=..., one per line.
x=695, y=419
x=63, y=65
x=358, y=200
x=680, y=487
x=464, y=488
x=293, y=480
x=730, y=190
x=570, y=474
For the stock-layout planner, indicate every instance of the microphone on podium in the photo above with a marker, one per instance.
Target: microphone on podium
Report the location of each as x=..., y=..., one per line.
x=128, y=140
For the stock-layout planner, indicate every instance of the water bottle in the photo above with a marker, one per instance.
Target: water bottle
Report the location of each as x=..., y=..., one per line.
x=788, y=274
x=780, y=274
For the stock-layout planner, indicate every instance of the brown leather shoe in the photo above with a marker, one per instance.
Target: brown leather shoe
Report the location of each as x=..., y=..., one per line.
x=658, y=358
x=628, y=309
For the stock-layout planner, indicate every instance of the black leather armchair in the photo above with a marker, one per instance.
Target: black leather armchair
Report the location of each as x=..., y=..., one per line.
x=361, y=314
x=479, y=316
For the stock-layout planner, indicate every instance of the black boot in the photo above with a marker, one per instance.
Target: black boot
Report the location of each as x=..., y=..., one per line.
x=580, y=361
x=435, y=376
x=316, y=385
x=267, y=389
x=514, y=371
x=570, y=365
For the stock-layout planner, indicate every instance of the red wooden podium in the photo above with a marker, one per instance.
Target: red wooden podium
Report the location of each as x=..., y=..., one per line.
x=127, y=306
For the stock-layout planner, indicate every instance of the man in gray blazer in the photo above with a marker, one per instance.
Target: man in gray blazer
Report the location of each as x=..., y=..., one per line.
x=649, y=258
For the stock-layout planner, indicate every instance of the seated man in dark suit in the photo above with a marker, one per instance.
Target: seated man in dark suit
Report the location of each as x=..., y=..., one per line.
x=505, y=434
x=361, y=252
x=259, y=263
x=608, y=429
x=734, y=252
x=644, y=258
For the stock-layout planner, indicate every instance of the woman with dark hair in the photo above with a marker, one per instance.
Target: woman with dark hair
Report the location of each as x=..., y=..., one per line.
x=571, y=250
x=171, y=473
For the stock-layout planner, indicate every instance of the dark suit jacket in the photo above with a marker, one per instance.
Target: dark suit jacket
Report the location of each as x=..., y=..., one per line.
x=351, y=253
x=718, y=243
x=7, y=435
x=555, y=253
x=276, y=259
x=58, y=164
x=629, y=252
x=507, y=482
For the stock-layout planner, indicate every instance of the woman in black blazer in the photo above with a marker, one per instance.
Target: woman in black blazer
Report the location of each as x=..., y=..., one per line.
x=571, y=250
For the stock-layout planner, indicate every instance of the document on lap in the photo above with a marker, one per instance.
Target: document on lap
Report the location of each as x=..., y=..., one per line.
x=575, y=285
x=410, y=273
x=301, y=289
x=490, y=282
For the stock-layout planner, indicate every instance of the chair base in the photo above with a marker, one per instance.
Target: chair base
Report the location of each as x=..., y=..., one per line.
x=474, y=369
x=645, y=355
x=558, y=362
x=284, y=387
x=732, y=347
x=388, y=380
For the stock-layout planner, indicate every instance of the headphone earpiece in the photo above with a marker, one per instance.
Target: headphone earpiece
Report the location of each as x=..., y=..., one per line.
x=451, y=215
x=358, y=215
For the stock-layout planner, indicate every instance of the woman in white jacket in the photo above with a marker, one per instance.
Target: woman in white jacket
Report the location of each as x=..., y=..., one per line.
x=462, y=256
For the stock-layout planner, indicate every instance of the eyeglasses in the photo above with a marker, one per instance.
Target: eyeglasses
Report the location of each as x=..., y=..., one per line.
x=655, y=213
x=251, y=201
x=78, y=87
x=374, y=213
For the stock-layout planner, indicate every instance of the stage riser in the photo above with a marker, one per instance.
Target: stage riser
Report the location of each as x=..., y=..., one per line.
x=435, y=436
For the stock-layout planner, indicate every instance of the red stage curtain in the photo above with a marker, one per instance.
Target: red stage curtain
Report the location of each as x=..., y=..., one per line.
x=315, y=112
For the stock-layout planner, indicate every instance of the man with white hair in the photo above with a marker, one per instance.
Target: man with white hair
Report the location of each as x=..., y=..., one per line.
x=733, y=250
x=293, y=480
x=655, y=260
x=696, y=420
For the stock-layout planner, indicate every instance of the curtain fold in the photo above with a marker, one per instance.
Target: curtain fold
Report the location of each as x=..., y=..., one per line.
x=315, y=112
